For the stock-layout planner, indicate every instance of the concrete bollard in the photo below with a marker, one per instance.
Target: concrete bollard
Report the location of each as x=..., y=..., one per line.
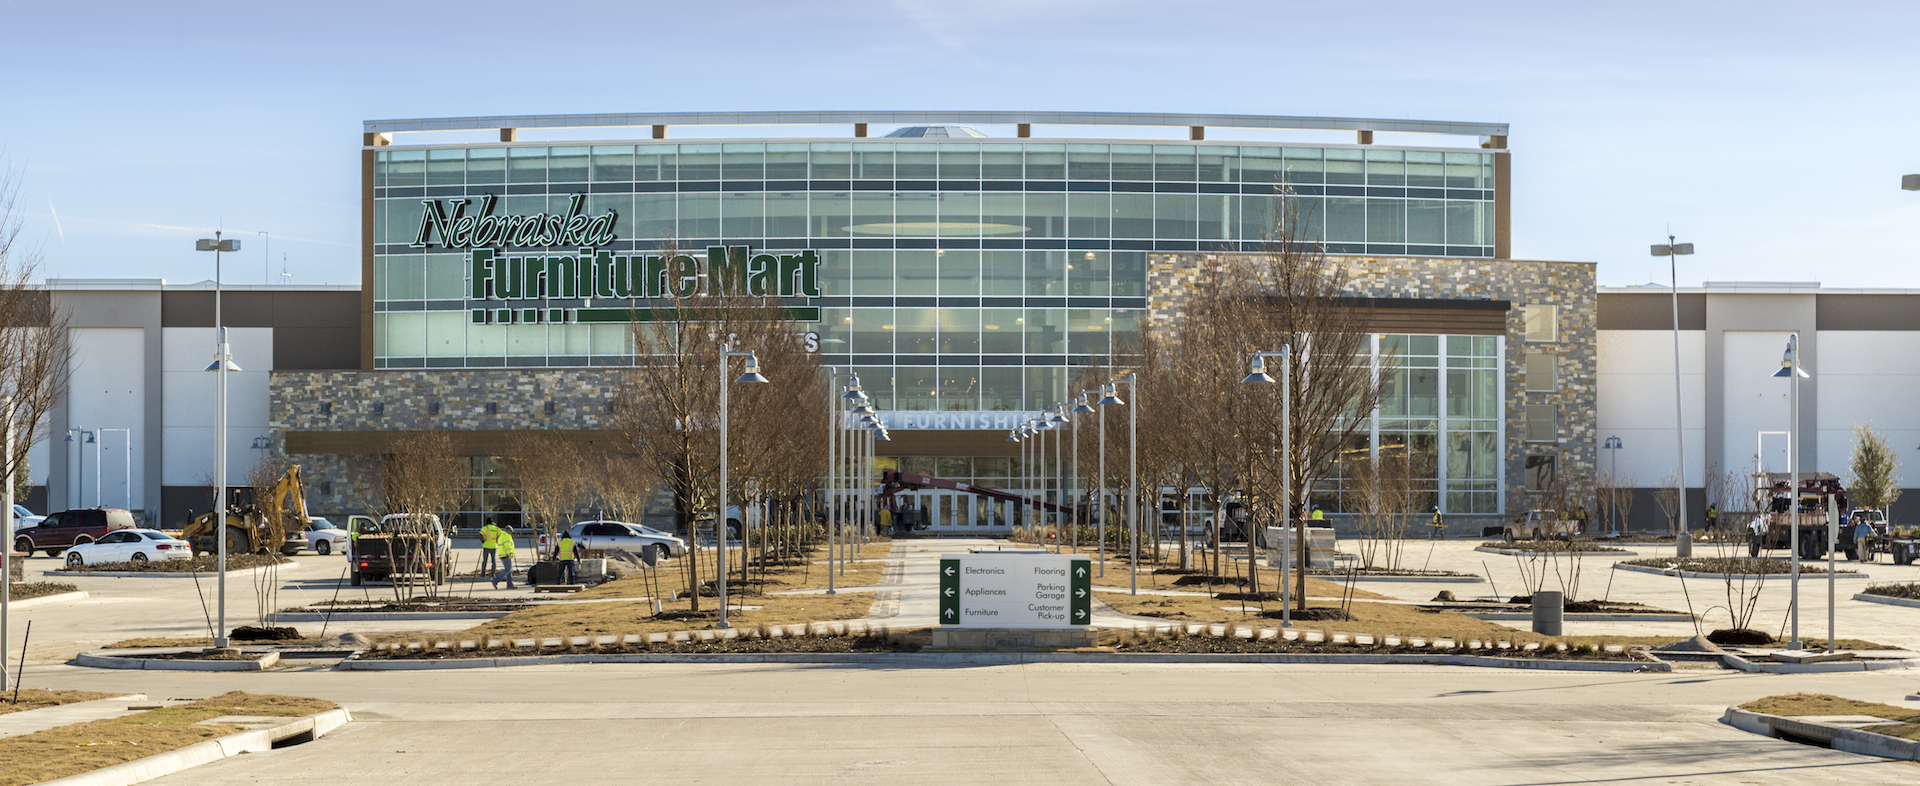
x=1547, y=612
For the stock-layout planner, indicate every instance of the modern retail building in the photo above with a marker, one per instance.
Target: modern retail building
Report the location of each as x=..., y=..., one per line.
x=964, y=276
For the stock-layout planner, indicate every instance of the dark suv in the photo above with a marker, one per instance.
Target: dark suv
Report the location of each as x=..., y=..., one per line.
x=71, y=528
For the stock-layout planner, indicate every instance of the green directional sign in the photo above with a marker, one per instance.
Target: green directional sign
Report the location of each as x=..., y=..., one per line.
x=949, y=591
x=1080, y=598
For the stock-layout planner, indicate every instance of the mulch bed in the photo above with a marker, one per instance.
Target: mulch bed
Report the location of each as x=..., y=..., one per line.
x=39, y=589
x=1227, y=645
x=1336, y=575
x=1732, y=565
x=1578, y=546
x=251, y=633
x=1594, y=606
x=1740, y=637
x=797, y=644
x=202, y=564
x=1316, y=614
x=462, y=604
x=1908, y=591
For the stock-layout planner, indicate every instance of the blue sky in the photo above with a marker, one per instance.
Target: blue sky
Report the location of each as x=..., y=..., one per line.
x=1771, y=135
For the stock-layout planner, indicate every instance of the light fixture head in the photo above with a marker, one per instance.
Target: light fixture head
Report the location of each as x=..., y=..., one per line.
x=215, y=365
x=216, y=244
x=1259, y=370
x=1786, y=361
x=1676, y=249
x=882, y=436
x=1013, y=435
x=1055, y=416
x=1081, y=405
x=1110, y=395
x=1910, y=182
x=752, y=371
x=90, y=438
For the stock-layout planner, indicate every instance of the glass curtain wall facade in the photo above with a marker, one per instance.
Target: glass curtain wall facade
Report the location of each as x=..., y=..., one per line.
x=962, y=275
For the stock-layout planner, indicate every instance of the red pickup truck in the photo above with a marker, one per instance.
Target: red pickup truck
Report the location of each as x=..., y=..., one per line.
x=71, y=528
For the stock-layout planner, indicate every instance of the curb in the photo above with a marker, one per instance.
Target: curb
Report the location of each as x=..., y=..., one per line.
x=944, y=660
x=127, y=574
x=1573, y=617
x=1522, y=553
x=44, y=599
x=1769, y=576
x=1887, y=599
x=1435, y=579
x=100, y=660
x=206, y=752
x=1839, y=738
x=1769, y=667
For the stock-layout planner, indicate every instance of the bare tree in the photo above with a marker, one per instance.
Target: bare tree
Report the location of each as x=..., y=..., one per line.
x=1384, y=500
x=34, y=342
x=547, y=475
x=1669, y=501
x=669, y=407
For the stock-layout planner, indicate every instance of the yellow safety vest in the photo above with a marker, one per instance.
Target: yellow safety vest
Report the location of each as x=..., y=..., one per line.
x=1319, y=516
x=566, y=548
x=503, y=546
x=488, y=534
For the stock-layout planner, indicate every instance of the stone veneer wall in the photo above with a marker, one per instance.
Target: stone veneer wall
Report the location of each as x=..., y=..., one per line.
x=579, y=396
x=1569, y=285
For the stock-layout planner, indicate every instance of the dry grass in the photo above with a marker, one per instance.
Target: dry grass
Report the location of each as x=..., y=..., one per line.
x=83, y=747
x=37, y=699
x=786, y=577
x=1269, y=582
x=1800, y=704
x=1374, y=618
x=600, y=619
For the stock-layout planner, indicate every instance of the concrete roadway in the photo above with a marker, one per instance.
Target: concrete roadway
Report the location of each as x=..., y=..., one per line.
x=1067, y=723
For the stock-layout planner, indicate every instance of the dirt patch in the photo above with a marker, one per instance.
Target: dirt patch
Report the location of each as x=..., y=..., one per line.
x=1798, y=704
x=1732, y=565
x=202, y=564
x=83, y=747
x=1310, y=615
x=251, y=633
x=1593, y=606
x=460, y=604
x=1740, y=637
x=208, y=654
x=39, y=589
x=1907, y=591
x=185, y=641
x=36, y=699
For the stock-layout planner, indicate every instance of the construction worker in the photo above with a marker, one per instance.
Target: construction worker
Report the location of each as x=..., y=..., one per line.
x=503, y=547
x=1318, y=515
x=1439, y=526
x=488, y=535
x=564, y=554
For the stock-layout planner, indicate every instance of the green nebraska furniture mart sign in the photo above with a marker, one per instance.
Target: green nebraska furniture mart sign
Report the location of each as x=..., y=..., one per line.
x=563, y=260
x=1015, y=590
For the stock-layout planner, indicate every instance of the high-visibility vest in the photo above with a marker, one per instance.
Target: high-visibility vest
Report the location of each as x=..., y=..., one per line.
x=1319, y=516
x=1436, y=518
x=566, y=548
x=488, y=534
x=503, y=545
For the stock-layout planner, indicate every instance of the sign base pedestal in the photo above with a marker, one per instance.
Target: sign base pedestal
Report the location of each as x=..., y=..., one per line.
x=1013, y=638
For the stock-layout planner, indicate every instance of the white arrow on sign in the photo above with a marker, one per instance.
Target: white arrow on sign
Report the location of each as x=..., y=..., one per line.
x=949, y=592
x=949, y=612
x=1079, y=612
x=949, y=570
x=1079, y=593
x=1081, y=572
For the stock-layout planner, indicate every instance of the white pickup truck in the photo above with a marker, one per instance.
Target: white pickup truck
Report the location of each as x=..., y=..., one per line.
x=1539, y=524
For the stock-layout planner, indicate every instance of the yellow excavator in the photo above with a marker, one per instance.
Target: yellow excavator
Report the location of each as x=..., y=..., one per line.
x=252, y=528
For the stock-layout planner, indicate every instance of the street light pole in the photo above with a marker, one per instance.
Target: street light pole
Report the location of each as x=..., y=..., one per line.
x=1132, y=380
x=1790, y=368
x=1106, y=393
x=1683, y=542
x=1613, y=446
x=222, y=363
x=752, y=374
x=1258, y=373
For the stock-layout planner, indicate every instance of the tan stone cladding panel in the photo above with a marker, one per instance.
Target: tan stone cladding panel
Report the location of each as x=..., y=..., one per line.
x=325, y=408
x=1568, y=285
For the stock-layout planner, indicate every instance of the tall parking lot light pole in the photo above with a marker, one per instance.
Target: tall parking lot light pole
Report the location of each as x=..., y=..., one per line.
x=1132, y=381
x=1059, y=473
x=752, y=374
x=1613, y=446
x=1790, y=369
x=1258, y=373
x=222, y=363
x=1683, y=542
x=1910, y=182
x=1080, y=508
x=1106, y=396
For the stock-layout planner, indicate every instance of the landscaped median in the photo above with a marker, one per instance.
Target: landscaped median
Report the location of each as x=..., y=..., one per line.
x=205, y=563
x=125, y=741
x=1891, y=594
x=1728, y=567
x=1863, y=727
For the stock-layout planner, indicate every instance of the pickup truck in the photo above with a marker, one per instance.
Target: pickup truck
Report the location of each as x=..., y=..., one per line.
x=410, y=546
x=69, y=528
x=1538, y=524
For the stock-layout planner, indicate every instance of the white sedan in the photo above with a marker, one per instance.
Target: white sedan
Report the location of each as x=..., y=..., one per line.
x=605, y=535
x=130, y=545
x=321, y=535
